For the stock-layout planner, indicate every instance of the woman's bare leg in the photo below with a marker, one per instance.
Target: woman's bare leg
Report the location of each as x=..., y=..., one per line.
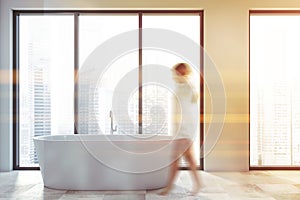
x=172, y=176
x=189, y=155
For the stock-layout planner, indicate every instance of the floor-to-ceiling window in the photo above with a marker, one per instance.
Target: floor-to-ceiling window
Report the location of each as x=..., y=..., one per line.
x=46, y=70
x=52, y=95
x=274, y=89
x=189, y=26
x=94, y=30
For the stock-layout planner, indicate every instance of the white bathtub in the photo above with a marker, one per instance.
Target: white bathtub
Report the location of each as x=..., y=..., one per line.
x=104, y=162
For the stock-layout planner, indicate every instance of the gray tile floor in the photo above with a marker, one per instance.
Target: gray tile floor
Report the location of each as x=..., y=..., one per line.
x=253, y=185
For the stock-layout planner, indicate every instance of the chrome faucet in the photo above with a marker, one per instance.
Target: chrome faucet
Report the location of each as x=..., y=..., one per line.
x=112, y=128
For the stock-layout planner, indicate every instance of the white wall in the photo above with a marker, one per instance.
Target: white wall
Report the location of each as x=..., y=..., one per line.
x=225, y=40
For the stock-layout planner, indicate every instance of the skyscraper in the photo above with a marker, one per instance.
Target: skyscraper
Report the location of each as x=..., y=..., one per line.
x=36, y=109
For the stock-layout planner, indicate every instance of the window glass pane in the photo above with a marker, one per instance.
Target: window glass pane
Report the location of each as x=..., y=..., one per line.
x=274, y=90
x=157, y=98
x=46, y=80
x=95, y=105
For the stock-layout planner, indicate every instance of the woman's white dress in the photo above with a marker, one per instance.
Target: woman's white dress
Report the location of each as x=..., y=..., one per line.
x=185, y=113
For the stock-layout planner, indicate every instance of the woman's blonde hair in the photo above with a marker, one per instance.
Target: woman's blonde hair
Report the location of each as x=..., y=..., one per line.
x=185, y=66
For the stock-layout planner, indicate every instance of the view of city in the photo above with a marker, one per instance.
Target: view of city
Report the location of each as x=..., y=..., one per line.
x=274, y=86
x=46, y=75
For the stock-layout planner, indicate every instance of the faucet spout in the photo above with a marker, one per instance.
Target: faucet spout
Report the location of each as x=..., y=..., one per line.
x=112, y=128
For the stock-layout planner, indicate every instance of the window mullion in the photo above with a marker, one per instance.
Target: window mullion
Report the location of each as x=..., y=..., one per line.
x=76, y=67
x=140, y=118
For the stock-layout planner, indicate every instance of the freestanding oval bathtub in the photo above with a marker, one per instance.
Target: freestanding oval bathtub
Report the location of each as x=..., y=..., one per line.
x=104, y=162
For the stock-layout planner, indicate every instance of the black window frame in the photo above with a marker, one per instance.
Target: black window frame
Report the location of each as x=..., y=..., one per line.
x=263, y=12
x=76, y=13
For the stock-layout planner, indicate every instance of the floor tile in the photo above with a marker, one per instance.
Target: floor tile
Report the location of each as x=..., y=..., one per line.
x=279, y=188
x=252, y=185
x=124, y=197
x=70, y=195
x=287, y=197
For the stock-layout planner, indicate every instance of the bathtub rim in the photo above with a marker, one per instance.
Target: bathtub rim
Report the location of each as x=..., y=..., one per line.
x=102, y=137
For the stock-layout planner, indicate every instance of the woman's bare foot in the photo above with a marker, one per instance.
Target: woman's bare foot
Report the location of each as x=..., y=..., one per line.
x=166, y=191
x=196, y=189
